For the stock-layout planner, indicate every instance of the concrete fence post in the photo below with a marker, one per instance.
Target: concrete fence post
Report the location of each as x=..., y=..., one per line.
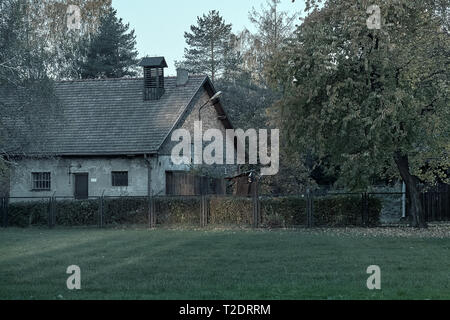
x=50, y=213
x=256, y=205
x=202, y=211
x=151, y=212
x=309, y=209
x=101, y=211
x=4, y=210
x=53, y=212
x=365, y=208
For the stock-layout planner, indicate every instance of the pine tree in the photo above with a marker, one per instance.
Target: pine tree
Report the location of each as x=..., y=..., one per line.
x=112, y=50
x=209, y=49
x=273, y=28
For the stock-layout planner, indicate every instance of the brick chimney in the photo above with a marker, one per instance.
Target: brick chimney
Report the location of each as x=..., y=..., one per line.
x=182, y=77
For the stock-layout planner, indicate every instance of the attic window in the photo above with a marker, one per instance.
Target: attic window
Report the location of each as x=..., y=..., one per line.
x=119, y=178
x=41, y=181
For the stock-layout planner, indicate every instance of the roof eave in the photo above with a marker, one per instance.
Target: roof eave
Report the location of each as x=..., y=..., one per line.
x=84, y=154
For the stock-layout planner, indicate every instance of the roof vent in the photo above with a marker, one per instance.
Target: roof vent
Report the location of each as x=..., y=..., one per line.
x=153, y=77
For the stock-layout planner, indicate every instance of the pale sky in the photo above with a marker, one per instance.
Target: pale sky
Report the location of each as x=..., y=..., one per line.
x=160, y=24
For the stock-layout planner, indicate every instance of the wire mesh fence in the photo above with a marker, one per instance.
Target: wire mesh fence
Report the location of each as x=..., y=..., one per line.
x=291, y=211
x=64, y=212
x=393, y=206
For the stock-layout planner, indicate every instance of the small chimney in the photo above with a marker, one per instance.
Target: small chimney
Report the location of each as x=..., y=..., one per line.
x=182, y=77
x=153, y=77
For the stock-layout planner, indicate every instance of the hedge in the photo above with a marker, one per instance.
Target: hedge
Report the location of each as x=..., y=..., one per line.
x=280, y=212
x=125, y=211
x=283, y=212
x=76, y=213
x=340, y=211
x=231, y=211
x=178, y=210
x=329, y=211
x=67, y=213
x=28, y=213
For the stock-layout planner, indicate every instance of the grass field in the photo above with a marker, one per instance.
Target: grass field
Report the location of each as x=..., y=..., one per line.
x=222, y=264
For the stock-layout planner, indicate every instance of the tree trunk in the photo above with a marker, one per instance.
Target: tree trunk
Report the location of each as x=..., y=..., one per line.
x=413, y=193
x=213, y=63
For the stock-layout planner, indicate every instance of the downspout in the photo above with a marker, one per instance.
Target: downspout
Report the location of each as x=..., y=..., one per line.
x=151, y=218
x=149, y=174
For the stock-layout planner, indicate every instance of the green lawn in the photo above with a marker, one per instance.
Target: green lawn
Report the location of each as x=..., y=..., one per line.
x=175, y=264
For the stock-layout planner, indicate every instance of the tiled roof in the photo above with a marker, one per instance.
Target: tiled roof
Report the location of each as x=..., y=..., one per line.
x=159, y=62
x=102, y=117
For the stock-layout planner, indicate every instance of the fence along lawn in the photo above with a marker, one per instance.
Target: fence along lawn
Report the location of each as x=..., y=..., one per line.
x=307, y=210
x=265, y=212
x=174, y=264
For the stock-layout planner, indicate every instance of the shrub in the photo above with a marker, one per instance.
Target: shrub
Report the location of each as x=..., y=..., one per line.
x=24, y=214
x=231, y=210
x=281, y=212
x=178, y=210
x=274, y=221
x=76, y=213
x=125, y=210
x=66, y=213
x=339, y=211
x=329, y=211
x=292, y=210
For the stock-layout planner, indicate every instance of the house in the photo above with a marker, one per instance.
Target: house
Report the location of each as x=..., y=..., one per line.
x=114, y=135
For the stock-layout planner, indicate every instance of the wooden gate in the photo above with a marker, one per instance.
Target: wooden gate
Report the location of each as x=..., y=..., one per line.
x=188, y=184
x=436, y=204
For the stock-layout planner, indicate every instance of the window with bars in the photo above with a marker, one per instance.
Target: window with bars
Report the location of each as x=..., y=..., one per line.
x=41, y=181
x=119, y=178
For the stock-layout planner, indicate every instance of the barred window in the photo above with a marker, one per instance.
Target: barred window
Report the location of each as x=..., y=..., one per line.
x=41, y=181
x=120, y=179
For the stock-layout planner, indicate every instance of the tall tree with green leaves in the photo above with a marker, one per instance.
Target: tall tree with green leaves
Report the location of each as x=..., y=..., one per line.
x=65, y=48
x=247, y=96
x=111, y=52
x=70, y=46
x=209, y=46
x=27, y=99
x=368, y=88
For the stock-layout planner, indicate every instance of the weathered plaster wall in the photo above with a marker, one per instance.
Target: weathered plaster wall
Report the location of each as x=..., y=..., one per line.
x=209, y=118
x=62, y=176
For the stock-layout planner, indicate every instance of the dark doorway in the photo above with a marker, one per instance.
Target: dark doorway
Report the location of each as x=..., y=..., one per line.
x=81, y=186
